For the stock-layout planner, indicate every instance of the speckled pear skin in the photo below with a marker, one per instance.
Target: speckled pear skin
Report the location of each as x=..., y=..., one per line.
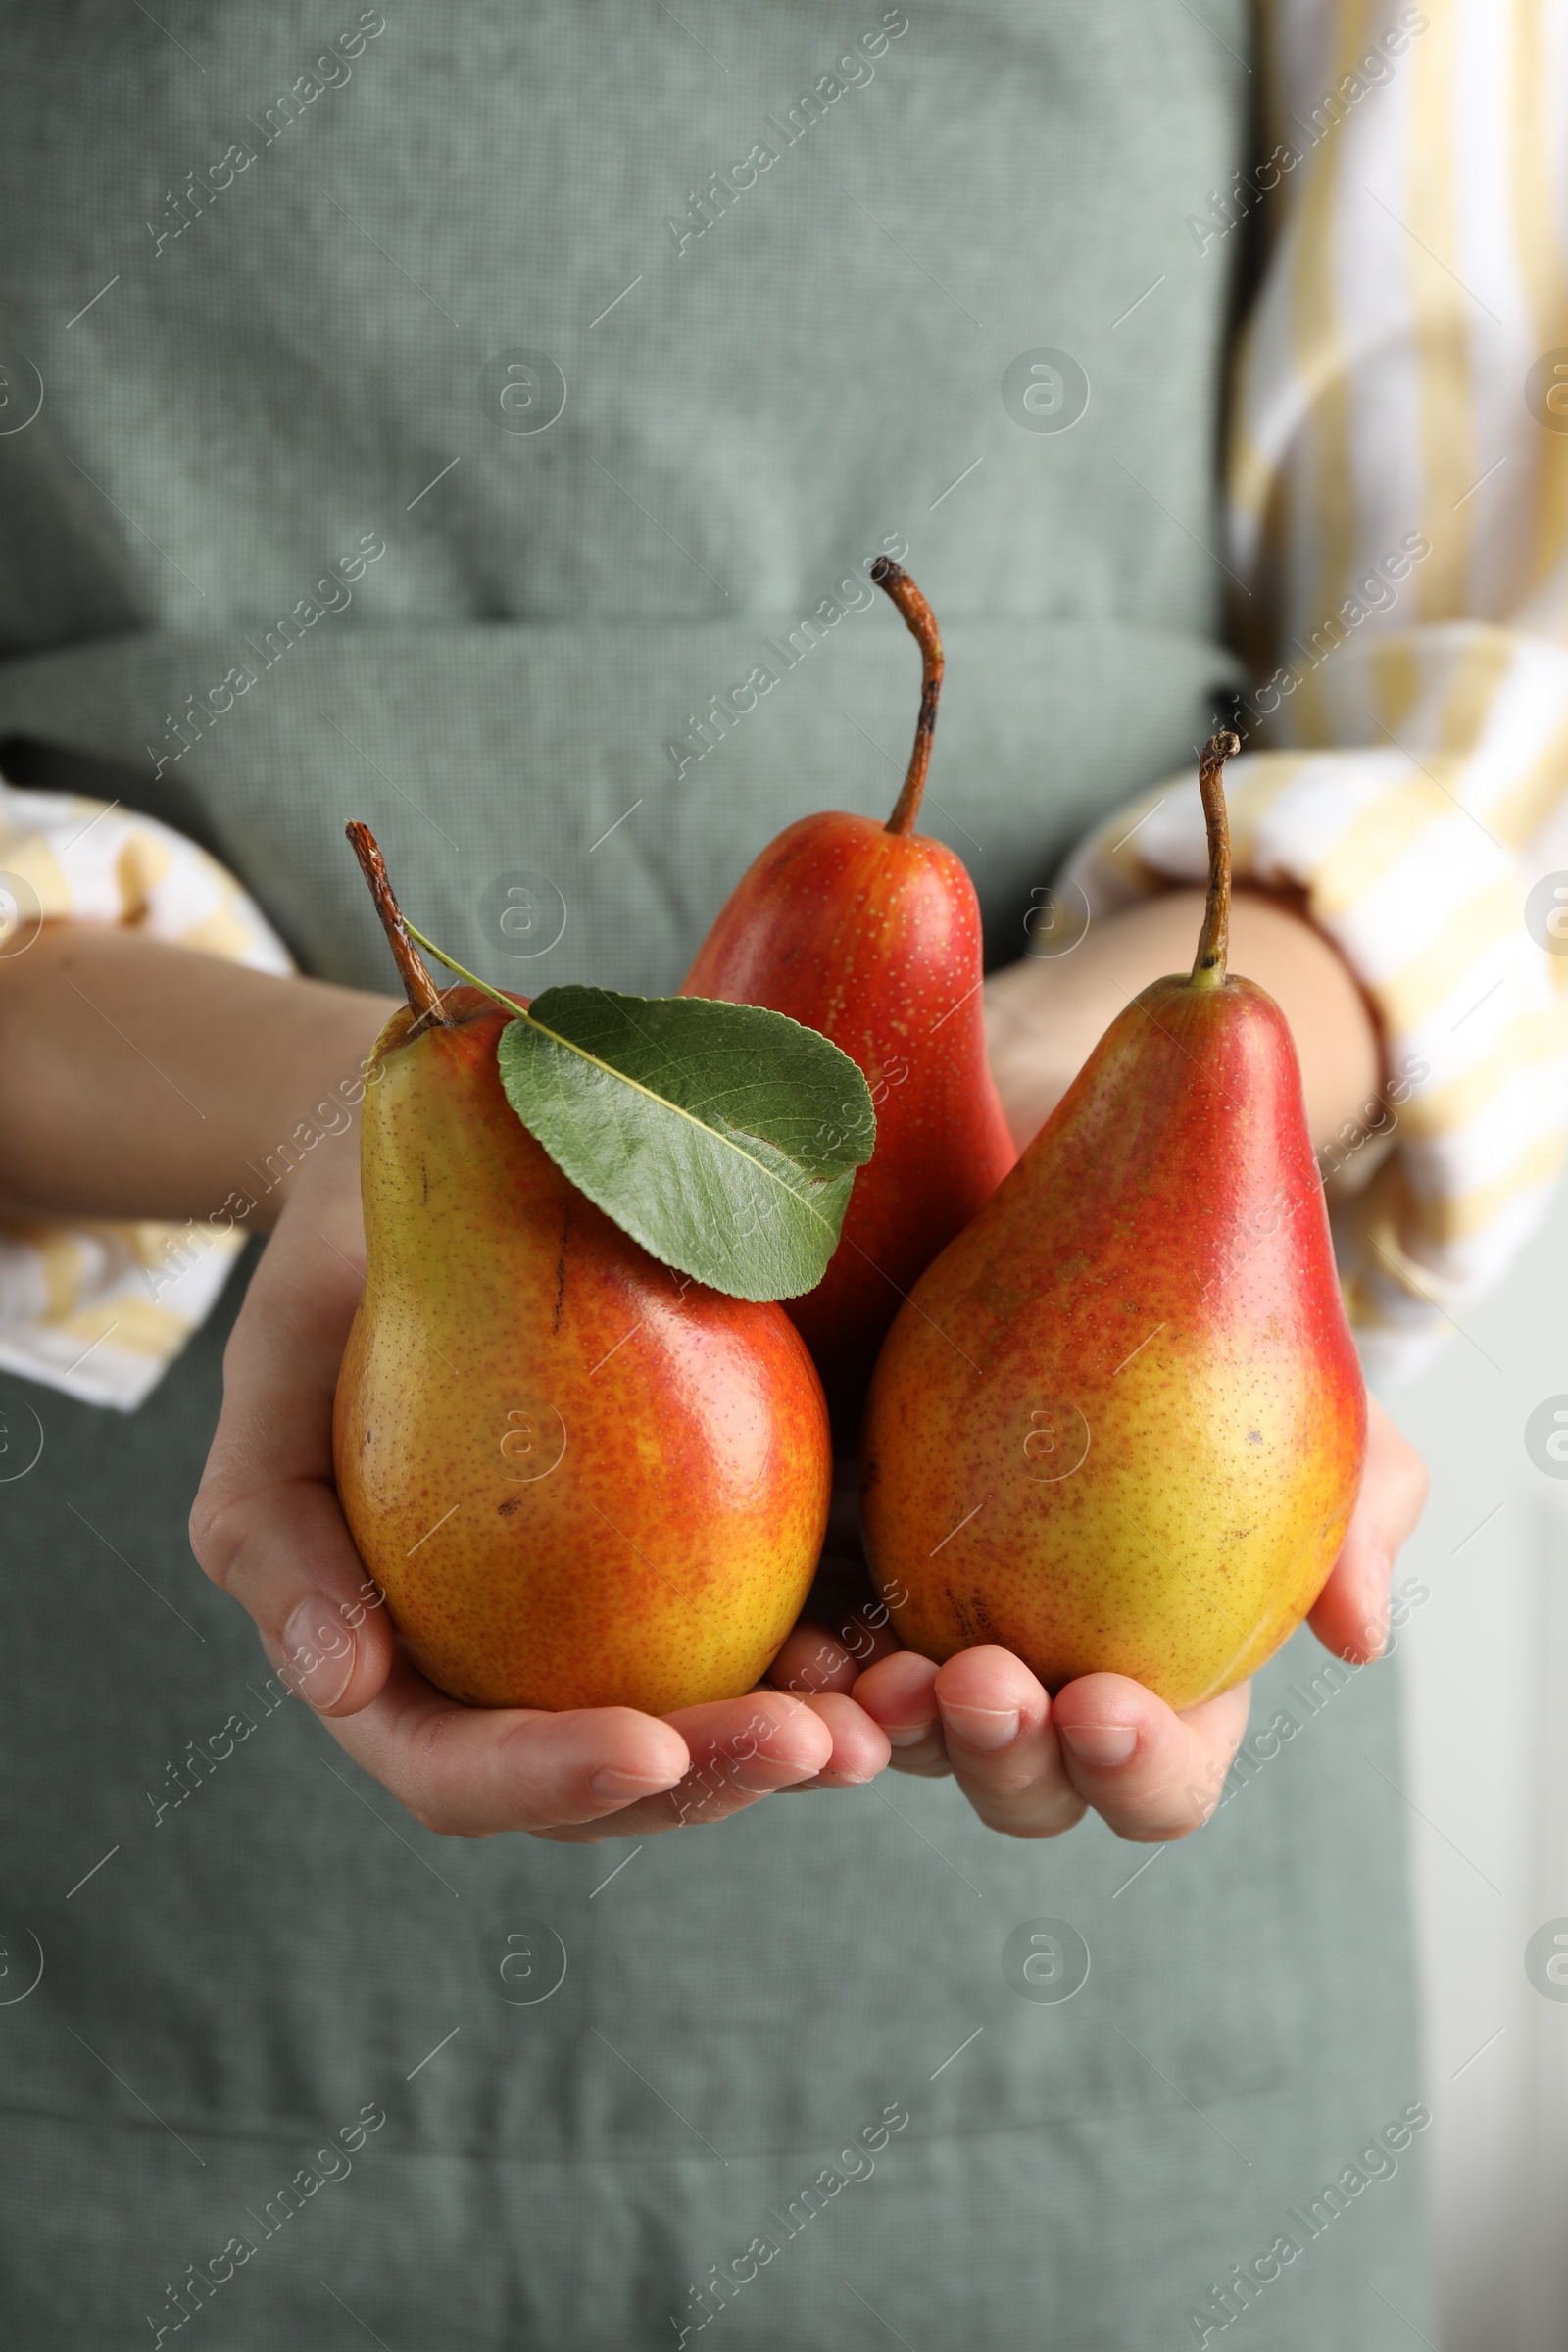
x=873, y=938
x=665, y=1556
x=1154, y=1279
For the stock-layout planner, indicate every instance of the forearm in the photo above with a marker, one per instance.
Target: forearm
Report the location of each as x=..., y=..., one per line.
x=1043, y=1016
x=139, y=1080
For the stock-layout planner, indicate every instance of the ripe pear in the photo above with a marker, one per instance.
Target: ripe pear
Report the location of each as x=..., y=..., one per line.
x=1120, y=1425
x=870, y=933
x=580, y=1480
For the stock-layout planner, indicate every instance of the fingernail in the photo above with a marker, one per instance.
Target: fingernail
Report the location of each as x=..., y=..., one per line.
x=319, y=1647
x=1099, y=1743
x=985, y=1728
x=609, y=1782
x=906, y=1734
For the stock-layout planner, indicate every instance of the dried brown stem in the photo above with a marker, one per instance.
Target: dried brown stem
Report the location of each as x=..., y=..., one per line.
x=1208, y=969
x=424, y=997
x=921, y=623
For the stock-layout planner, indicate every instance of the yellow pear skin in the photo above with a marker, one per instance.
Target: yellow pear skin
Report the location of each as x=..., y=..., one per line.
x=580, y=1480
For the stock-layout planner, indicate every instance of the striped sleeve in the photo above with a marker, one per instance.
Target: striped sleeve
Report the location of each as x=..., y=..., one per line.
x=94, y=1308
x=1397, y=524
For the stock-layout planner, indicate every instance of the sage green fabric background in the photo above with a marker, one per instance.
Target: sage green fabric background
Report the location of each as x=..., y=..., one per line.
x=250, y=1969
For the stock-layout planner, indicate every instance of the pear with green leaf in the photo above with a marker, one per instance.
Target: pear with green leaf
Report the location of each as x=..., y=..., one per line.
x=581, y=1478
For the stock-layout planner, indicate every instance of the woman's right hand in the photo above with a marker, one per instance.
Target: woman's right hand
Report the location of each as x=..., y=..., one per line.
x=267, y=1529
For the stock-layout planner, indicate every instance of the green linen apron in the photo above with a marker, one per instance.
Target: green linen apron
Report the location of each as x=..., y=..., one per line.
x=512, y=398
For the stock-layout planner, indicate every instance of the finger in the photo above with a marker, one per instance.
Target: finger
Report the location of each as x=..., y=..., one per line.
x=289, y=1561
x=833, y=1642
x=287, y=1344
x=470, y=1771
x=742, y=1749
x=1152, y=1773
x=861, y=1747
x=1350, y=1615
x=266, y=1525
x=899, y=1692
x=867, y=1635
x=811, y=1660
x=1002, y=1743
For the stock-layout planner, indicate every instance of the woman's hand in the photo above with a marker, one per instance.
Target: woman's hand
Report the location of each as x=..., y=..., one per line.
x=267, y=1529
x=1032, y=1766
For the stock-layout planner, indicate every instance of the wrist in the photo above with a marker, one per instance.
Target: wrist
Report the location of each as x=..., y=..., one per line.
x=314, y=1156
x=139, y=1080
x=1045, y=1017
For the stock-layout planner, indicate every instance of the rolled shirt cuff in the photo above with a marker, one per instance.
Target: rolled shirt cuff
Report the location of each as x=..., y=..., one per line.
x=1428, y=909
x=100, y=1309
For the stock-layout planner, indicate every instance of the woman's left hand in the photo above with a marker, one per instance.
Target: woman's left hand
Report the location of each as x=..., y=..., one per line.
x=1032, y=1766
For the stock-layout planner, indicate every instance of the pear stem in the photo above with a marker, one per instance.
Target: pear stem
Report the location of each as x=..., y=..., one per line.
x=1208, y=968
x=517, y=1012
x=921, y=623
x=424, y=997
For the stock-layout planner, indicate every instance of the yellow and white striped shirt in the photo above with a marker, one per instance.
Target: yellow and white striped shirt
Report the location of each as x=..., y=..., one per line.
x=1398, y=526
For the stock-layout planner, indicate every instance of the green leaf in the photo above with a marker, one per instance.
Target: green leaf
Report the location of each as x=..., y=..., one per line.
x=723, y=1138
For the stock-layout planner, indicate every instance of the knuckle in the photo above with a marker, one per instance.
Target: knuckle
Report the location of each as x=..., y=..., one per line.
x=214, y=1538
x=1042, y=1819
x=431, y=1817
x=436, y=1784
x=1402, y=1463
x=1000, y=1784
x=422, y=1790
x=431, y=1741
x=433, y=1808
x=1154, y=1832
